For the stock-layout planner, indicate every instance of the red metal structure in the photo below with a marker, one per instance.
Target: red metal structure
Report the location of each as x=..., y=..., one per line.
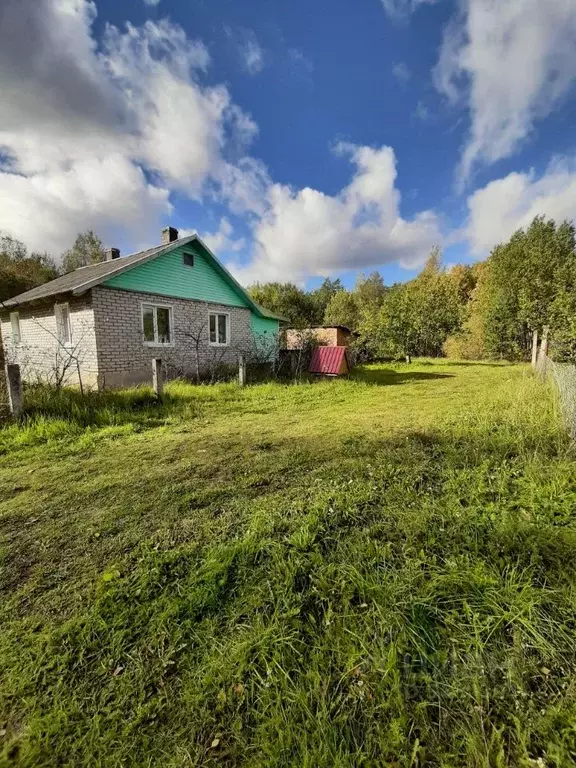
x=329, y=361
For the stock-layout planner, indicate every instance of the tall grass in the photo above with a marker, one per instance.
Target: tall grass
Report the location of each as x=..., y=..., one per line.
x=409, y=599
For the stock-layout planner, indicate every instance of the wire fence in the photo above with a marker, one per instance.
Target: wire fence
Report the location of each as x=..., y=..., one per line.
x=564, y=377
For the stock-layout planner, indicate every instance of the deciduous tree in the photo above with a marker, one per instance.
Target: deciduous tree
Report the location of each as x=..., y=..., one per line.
x=20, y=271
x=87, y=249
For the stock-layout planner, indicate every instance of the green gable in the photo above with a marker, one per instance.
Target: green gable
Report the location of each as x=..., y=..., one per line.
x=169, y=276
x=263, y=325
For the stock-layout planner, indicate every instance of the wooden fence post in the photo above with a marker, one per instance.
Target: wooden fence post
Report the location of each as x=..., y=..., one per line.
x=157, y=376
x=14, y=385
x=544, y=344
x=534, y=348
x=242, y=370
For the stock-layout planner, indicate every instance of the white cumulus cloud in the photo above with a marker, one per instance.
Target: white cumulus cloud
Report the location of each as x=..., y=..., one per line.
x=109, y=195
x=223, y=240
x=504, y=205
x=98, y=137
x=511, y=62
x=307, y=232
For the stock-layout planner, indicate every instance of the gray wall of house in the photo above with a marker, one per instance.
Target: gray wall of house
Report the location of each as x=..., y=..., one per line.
x=123, y=356
x=40, y=356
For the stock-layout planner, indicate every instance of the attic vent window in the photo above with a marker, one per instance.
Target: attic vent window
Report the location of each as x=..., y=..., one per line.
x=188, y=259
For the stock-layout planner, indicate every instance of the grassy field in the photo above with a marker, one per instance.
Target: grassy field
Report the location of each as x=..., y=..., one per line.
x=372, y=572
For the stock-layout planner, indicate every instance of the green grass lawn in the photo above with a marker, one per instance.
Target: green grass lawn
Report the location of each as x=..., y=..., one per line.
x=372, y=572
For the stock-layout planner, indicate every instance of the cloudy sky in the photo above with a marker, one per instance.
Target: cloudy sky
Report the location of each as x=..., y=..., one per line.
x=301, y=139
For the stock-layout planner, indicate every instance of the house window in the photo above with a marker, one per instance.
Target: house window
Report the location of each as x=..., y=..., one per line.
x=220, y=329
x=63, y=330
x=188, y=259
x=15, y=323
x=157, y=324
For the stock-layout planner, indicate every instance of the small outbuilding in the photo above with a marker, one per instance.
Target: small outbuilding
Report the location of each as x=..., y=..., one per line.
x=324, y=335
x=329, y=361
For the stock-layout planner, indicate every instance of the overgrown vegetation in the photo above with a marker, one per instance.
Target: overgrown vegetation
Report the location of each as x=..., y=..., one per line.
x=335, y=573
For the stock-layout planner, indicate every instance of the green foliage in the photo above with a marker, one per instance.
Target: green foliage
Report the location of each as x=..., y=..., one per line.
x=469, y=341
x=416, y=317
x=20, y=271
x=359, y=306
x=322, y=296
x=343, y=309
x=240, y=589
x=87, y=249
x=395, y=331
x=288, y=300
x=530, y=283
x=369, y=292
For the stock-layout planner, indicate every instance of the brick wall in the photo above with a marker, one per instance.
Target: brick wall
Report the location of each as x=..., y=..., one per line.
x=125, y=359
x=39, y=353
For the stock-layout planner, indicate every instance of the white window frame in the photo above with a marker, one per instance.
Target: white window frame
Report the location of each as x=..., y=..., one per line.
x=155, y=306
x=58, y=308
x=16, y=327
x=217, y=343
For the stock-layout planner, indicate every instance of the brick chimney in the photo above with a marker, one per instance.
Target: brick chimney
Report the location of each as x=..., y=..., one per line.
x=112, y=253
x=169, y=234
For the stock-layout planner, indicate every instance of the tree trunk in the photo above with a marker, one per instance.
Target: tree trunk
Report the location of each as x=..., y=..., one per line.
x=197, y=364
x=544, y=344
x=534, y=348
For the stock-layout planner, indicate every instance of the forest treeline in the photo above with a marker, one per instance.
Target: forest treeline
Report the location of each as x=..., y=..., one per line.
x=488, y=310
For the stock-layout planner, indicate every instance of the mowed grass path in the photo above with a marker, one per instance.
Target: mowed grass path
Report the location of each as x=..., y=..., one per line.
x=372, y=572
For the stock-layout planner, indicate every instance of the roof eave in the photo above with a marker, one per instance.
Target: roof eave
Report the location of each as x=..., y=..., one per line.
x=8, y=303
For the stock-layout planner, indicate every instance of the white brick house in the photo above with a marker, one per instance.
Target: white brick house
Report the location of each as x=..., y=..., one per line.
x=103, y=325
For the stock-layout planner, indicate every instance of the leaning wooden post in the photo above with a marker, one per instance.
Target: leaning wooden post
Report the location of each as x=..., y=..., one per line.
x=14, y=385
x=157, y=377
x=242, y=371
x=534, y=348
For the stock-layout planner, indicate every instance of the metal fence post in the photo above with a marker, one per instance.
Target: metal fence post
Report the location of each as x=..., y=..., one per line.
x=14, y=385
x=157, y=376
x=242, y=370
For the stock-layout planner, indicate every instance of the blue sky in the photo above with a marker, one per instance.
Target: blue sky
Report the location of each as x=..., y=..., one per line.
x=302, y=139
